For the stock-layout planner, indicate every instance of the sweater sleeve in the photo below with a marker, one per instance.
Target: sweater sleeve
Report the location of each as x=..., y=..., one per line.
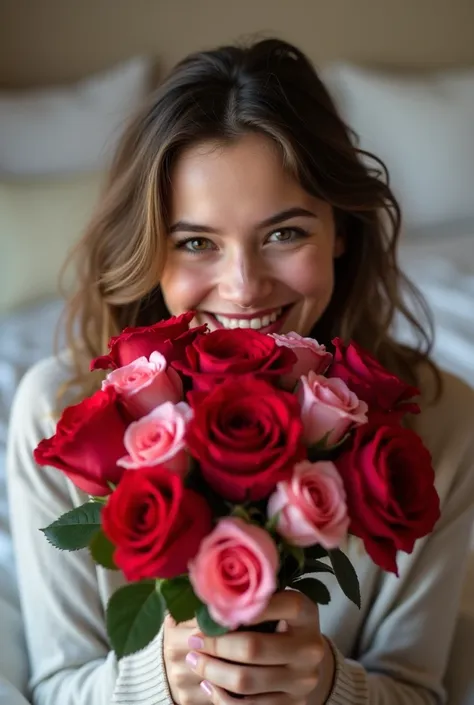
x=70, y=659
x=404, y=645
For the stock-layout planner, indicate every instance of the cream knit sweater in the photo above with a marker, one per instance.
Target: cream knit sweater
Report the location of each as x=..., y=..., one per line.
x=391, y=652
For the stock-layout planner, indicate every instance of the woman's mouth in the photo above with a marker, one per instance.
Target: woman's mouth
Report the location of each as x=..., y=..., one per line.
x=265, y=322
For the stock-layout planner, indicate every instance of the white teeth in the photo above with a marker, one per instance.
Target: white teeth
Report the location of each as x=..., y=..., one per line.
x=254, y=323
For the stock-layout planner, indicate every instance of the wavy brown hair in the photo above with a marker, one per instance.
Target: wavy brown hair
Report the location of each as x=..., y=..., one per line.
x=269, y=87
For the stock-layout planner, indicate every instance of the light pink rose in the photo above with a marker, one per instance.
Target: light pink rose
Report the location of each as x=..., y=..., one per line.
x=311, y=357
x=145, y=384
x=328, y=407
x=312, y=506
x=158, y=438
x=235, y=572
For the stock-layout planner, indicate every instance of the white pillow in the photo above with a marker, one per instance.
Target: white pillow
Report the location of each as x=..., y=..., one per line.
x=72, y=128
x=39, y=221
x=422, y=127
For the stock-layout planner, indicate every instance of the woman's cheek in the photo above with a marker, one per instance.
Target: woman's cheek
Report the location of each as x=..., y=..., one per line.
x=311, y=272
x=183, y=287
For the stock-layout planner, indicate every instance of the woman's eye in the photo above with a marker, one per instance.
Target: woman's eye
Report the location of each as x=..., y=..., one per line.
x=286, y=235
x=195, y=244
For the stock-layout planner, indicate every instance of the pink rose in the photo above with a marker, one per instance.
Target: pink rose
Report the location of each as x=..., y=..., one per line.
x=312, y=506
x=328, y=407
x=235, y=572
x=158, y=439
x=311, y=357
x=145, y=384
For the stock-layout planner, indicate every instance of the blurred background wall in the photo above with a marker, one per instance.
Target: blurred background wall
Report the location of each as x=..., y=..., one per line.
x=44, y=41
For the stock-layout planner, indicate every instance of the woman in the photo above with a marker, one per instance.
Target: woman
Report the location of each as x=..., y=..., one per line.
x=237, y=192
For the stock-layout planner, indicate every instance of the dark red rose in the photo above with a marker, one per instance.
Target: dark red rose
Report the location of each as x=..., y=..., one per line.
x=169, y=337
x=87, y=443
x=391, y=497
x=364, y=375
x=214, y=357
x=155, y=523
x=246, y=435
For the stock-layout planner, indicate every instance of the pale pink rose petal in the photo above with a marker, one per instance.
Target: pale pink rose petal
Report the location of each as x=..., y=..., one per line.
x=235, y=570
x=145, y=384
x=311, y=357
x=328, y=408
x=158, y=438
x=311, y=506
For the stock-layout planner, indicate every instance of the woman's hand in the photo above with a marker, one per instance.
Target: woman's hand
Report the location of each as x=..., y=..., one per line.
x=183, y=683
x=288, y=667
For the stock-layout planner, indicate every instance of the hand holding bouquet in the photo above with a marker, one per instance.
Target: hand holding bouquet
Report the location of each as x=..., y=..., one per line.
x=223, y=467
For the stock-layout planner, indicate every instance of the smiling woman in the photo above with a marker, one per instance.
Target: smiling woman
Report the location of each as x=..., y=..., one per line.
x=237, y=193
x=262, y=251
x=237, y=190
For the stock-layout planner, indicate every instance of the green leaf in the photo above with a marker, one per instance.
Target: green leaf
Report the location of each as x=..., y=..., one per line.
x=314, y=589
x=135, y=614
x=312, y=566
x=100, y=500
x=323, y=451
x=346, y=575
x=240, y=512
x=315, y=552
x=322, y=444
x=180, y=599
x=289, y=570
x=297, y=553
x=256, y=516
x=102, y=550
x=207, y=624
x=272, y=523
x=75, y=529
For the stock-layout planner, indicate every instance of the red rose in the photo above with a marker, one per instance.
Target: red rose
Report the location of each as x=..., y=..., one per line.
x=364, y=375
x=87, y=443
x=391, y=497
x=246, y=435
x=169, y=337
x=212, y=358
x=155, y=523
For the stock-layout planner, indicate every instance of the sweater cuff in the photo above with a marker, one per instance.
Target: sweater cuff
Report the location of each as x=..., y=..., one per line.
x=350, y=685
x=142, y=677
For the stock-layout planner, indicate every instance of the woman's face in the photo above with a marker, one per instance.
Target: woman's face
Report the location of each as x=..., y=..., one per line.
x=248, y=247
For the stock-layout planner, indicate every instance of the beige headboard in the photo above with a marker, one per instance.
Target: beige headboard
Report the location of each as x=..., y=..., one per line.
x=61, y=40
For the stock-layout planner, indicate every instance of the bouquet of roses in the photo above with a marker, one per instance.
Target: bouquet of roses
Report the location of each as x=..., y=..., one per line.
x=223, y=466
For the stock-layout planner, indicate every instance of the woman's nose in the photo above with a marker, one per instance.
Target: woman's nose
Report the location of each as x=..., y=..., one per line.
x=245, y=282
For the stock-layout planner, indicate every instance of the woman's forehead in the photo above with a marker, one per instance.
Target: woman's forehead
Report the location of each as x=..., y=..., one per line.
x=245, y=179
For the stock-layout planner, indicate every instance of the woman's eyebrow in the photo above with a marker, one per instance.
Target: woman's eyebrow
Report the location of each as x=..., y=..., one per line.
x=282, y=216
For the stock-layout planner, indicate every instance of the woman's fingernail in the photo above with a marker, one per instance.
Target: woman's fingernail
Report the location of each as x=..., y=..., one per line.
x=192, y=659
x=195, y=642
x=206, y=686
